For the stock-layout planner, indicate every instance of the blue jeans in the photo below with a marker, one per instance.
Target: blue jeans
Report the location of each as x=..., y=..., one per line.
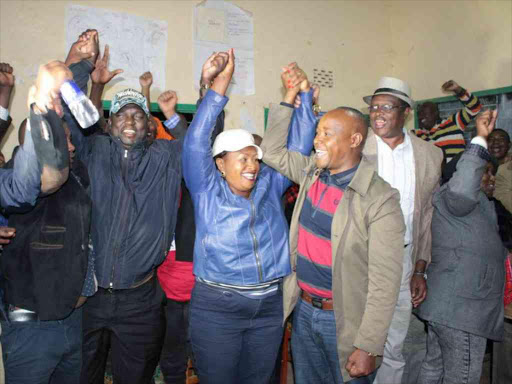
x=502, y=357
x=453, y=356
x=315, y=356
x=314, y=347
x=414, y=350
x=234, y=339
x=42, y=352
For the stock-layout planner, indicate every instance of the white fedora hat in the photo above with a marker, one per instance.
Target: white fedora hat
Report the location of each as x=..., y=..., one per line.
x=394, y=87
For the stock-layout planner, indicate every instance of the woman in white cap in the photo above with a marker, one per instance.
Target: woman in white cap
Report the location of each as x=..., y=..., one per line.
x=241, y=249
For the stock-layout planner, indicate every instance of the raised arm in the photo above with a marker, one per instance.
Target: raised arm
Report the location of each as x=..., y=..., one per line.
x=198, y=164
x=460, y=119
x=21, y=185
x=81, y=67
x=42, y=162
x=301, y=132
x=463, y=189
x=219, y=124
x=471, y=105
x=286, y=146
x=174, y=124
x=145, y=81
x=6, y=87
x=82, y=143
x=99, y=78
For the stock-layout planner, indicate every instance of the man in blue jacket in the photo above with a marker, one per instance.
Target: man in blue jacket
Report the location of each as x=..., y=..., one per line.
x=134, y=191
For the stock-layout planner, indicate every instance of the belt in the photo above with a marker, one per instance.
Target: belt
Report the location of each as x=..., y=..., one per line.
x=136, y=285
x=325, y=304
x=21, y=315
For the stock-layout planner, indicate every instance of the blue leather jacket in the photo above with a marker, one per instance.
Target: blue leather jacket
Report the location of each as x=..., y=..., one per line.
x=238, y=241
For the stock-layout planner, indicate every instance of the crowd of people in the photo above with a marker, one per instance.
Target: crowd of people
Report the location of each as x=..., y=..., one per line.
x=159, y=242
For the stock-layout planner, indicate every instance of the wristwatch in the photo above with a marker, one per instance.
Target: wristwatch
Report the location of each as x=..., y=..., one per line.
x=424, y=274
x=204, y=86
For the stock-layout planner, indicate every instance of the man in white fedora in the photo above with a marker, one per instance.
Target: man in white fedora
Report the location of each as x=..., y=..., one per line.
x=412, y=166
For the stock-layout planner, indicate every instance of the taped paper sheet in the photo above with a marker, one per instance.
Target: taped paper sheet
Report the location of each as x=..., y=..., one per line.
x=218, y=26
x=136, y=44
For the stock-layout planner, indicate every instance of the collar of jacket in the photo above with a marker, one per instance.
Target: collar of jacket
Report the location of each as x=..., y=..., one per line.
x=360, y=182
x=139, y=149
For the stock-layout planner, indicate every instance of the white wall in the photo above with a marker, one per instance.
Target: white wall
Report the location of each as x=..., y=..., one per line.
x=333, y=35
x=423, y=42
x=468, y=41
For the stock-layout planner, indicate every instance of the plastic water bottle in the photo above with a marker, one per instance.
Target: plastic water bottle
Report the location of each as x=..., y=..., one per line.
x=80, y=105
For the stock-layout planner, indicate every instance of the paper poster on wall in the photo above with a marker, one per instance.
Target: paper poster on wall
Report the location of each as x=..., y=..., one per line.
x=137, y=44
x=218, y=26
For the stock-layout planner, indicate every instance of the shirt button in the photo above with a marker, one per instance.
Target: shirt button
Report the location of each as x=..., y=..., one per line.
x=83, y=247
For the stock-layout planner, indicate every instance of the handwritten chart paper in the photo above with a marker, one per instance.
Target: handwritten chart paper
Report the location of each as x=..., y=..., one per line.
x=211, y=25
x=136, y=44
x=218, y=26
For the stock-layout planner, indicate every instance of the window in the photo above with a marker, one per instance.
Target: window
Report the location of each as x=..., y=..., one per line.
x=500, y=98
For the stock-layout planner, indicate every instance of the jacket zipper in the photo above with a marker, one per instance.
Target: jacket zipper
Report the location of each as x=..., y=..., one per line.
x=122, y=212
x=255, y=241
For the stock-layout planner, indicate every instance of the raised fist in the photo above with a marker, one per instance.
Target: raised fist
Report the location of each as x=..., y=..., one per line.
x=6, y=75
x=485, y=122
x=451, y=86
x=167, y=102
x=45, y=93
x=146, y=79
x=294, y=78
x=229, y=68
x=86, y=47
x=214, y=65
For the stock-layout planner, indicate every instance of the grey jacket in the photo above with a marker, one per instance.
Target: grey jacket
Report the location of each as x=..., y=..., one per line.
x=466, y=276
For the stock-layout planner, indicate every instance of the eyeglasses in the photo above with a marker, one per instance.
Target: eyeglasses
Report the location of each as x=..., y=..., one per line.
x=384, y=108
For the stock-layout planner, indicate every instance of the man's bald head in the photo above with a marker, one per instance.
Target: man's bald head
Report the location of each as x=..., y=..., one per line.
x=360, y=122
x=340, y=138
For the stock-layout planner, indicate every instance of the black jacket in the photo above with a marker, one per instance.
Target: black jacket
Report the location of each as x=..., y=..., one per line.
x=44, y=266
x=134, y=197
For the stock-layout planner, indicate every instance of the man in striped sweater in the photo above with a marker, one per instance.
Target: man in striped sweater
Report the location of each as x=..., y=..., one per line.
x=447, y=134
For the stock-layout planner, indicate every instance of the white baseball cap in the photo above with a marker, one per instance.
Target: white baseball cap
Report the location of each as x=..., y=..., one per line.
x=394, y=87
x=234, y=140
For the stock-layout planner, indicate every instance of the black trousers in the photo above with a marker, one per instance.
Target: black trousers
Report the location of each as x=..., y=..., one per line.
x=175, y=352
x=131, y=322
